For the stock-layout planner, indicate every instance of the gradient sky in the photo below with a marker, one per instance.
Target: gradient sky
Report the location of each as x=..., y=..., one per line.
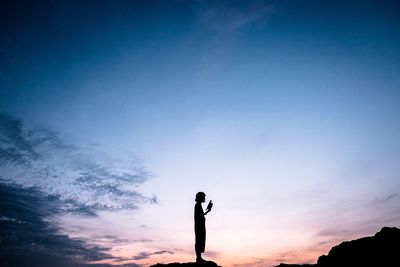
x=115, y=113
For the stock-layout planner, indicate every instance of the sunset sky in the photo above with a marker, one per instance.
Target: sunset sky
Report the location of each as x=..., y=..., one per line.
x=114, y=114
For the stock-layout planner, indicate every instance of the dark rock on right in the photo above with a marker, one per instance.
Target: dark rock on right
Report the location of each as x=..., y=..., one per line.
x=382, y=249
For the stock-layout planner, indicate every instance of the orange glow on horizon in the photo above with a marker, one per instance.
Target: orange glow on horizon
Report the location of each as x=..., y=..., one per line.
x=289, y=255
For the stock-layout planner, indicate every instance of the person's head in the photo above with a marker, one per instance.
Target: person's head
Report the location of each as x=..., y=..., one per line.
x=200, y=197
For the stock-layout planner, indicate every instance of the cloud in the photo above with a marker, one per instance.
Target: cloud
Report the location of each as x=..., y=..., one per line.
x=84, y=179
x=225, y=18
x=336, y=232
x=28, y=238
x=220, y=23
x=142, y=240
x=385, y=199
x=42, y=178
x=111, y=240
x=144, y=255
x=212, y=254
x=303, y=255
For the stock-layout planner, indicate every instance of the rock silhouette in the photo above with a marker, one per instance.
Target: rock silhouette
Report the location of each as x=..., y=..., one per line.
x=296, y=265
x=382, y=249
x=188, y=264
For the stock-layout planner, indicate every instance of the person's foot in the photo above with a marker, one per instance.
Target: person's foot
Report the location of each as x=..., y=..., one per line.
x=198, y=260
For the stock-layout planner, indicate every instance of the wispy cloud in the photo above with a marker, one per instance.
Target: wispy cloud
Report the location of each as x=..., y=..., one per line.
x=85, y=179
x=113, y=240
x=42, y=178
x=142, y=256
x=385, y=199
x=228, y=17
x=145, y=255
x=110, y=239
x=28, y=238
x=222, y=22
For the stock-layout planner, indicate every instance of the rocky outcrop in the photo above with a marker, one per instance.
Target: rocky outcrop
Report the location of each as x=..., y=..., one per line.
x=188, y=264
x=296, y=265
x=382, y=249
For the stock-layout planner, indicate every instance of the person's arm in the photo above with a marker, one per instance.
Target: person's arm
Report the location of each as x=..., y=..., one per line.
x=209, y=207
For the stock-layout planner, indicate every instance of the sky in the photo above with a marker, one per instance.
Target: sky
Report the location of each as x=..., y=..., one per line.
x=114, y=114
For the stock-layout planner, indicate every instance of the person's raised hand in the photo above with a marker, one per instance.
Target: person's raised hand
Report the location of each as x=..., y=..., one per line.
x=210, y=205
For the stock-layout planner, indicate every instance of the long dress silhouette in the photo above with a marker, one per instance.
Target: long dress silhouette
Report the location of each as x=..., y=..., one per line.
x=200, y=224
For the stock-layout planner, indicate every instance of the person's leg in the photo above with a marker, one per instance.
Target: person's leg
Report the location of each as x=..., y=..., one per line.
x=198, y=252
x=198, y=255
x=199, y=243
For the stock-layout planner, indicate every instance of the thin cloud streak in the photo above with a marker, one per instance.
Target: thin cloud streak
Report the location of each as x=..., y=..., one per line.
x=85, y=180
x=225, y=18
x=145, y=255
x=224, y=21
x=388, y=198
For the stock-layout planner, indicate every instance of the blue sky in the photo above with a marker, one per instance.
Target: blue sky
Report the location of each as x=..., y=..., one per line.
x=284, y=112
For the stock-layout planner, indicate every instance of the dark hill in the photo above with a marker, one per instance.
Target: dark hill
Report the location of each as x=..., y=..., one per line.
x=188, y=264
x=382, y=249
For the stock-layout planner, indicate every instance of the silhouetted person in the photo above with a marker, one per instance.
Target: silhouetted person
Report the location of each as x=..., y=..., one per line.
x=200, y=224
